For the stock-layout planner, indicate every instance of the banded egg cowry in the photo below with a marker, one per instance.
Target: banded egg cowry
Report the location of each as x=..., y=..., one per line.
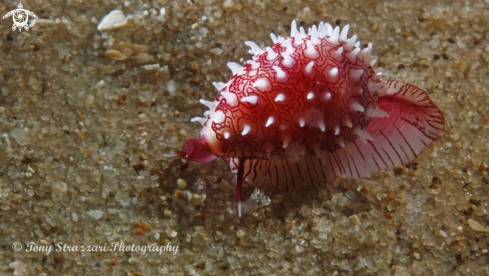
x=310, y=108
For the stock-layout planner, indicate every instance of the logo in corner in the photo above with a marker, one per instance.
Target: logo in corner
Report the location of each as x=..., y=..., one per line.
x=20, y=17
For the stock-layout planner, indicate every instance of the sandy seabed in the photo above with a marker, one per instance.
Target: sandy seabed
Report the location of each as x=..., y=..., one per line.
x=85, y=121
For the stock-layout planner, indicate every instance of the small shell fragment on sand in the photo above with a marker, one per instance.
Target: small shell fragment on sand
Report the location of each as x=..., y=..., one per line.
x=354, y=219
x=216, y=51
x=151, y=67
x=40, y=22
x=182, y=184
x=19, y=267
x=129, y=48
x=143, y=58
x=114, y=20
x=20, y=135
x=115, y=55
x=123, y=51
x=474, y=225
x=95, y=214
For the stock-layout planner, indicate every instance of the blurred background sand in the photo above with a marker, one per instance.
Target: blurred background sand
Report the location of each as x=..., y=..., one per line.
x=87, y=121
